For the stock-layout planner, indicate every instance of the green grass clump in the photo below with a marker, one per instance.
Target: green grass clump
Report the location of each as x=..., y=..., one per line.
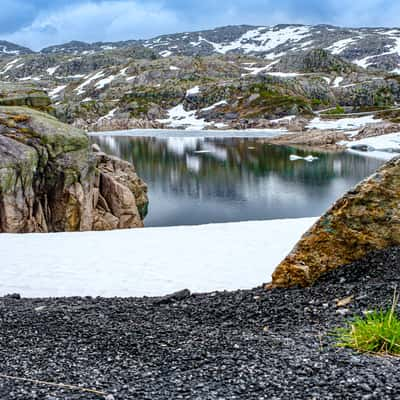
x=335, y=111
x=378, y=332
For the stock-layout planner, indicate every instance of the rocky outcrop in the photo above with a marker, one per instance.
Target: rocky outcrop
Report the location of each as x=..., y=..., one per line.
x=120, y=196
x=367, y=218
x=24, y=95
x=52, y=181
x=114, y=124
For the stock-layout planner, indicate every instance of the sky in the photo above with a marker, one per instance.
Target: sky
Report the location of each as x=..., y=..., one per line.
x=40, y=23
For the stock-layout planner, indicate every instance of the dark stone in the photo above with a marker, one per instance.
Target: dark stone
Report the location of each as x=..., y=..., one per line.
x=174, y=297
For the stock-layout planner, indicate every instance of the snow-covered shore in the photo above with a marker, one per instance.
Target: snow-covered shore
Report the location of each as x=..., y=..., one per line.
x=146, y=262
x=384, y=147
x=209, y=133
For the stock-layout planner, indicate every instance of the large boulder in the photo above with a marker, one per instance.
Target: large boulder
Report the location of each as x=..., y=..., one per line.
x=25, y=95
x=367, y=218
x=51, y=180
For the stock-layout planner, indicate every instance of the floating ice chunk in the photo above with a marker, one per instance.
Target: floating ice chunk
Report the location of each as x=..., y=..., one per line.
x=309, y=158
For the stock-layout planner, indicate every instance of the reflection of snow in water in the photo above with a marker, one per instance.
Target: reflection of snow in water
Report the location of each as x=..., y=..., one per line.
x=111, y=142
x=215, y=151
x=180, y=145
x=193, y=163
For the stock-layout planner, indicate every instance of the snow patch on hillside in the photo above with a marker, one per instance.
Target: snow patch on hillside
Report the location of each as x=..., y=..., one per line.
x=341, y=45
x=264, y=39
x=103, y=82
x=51, y=70
x=81, y=88
x=9, y=66
x=179, y=117
x=56, y=91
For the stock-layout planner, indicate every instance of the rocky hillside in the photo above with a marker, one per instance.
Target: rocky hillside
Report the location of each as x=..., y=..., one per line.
x=51, y=180
x=231, y=77
x=11, y=49
x=365, y=47
x=119, y=89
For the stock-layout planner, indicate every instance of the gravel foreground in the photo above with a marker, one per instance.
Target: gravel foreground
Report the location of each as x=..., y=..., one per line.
x=252, y=344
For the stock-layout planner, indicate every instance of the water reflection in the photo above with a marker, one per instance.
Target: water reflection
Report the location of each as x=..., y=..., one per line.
x=195, y=180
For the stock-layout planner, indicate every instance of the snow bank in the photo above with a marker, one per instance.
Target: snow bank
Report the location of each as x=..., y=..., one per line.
x=343, y=123
x=383, y=147
x=150, y=261
x=194, y=133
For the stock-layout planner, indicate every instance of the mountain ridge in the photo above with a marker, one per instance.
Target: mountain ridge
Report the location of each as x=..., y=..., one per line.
x=373, y=47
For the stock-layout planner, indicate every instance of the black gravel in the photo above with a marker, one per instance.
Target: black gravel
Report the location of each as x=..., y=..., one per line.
x=251, y=344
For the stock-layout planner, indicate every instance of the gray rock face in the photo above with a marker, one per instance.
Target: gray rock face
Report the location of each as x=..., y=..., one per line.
x=51, y=181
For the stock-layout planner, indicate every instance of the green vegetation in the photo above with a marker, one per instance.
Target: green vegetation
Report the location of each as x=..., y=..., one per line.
x=378, y=332
x=335, y=111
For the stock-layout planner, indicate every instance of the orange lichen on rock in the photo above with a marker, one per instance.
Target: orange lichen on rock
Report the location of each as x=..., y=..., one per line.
x=366, y=218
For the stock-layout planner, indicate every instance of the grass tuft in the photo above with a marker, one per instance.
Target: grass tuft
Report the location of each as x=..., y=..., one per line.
x=377, y=332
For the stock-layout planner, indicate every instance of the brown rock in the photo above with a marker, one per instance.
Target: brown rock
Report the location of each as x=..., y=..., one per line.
x=52, y=181
x=367, y=218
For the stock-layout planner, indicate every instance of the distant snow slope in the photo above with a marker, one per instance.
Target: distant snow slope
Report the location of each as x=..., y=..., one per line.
x=150, y=261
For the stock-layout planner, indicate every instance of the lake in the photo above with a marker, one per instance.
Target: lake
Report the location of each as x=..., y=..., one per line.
x=194, y=179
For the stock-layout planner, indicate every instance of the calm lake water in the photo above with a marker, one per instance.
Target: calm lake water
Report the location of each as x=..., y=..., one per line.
x=197, y=180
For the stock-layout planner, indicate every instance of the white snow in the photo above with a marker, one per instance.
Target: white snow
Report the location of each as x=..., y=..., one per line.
x=109, y=115
x=341, y=45
x=309, y=158
x=55, y=92
x=9, y=66
x=51, y=70
x=364, y=62
x=343, y=123
x=178, y=116
x=384, y=146
x=194, y=133
x=81, y=88
x=219, y=103
x=263, y=39
x=4, y=50
x=192, y=91
x=78, y=76
x=165, y=53
x=147, y=262
x=287, y=118
x=123, y=71
x=338, y=80
x=255, y=70
x=103, y=82
x=284, y=74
